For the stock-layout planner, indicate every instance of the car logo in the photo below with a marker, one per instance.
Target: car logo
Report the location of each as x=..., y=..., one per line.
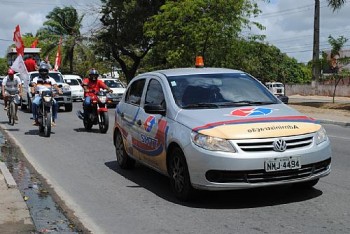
x=259, y=111
x=149, y=123
x=279, y=145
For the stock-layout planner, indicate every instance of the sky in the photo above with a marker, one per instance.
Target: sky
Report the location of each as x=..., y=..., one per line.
x=289, y=23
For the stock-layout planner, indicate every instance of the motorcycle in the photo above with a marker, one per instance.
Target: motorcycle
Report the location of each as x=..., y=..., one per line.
x=44, y=112
x=97, y=112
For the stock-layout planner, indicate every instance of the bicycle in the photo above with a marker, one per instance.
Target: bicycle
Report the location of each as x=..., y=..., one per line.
x=13, y=100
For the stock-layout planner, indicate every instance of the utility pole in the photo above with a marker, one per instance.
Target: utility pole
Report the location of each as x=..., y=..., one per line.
x=316, y=47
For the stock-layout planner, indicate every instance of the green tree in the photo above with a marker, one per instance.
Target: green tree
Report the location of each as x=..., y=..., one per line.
x=122, y=35
x=66, y=23
x=184, y=29
x=3, y=66
x=334, y=5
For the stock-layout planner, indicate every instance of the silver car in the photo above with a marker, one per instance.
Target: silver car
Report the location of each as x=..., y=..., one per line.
x=217, y=129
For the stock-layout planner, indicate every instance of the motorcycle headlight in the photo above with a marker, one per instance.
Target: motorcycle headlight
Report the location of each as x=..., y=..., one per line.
x=47, y=98
x=321, y=136
x=102, y=99
x=212, y=143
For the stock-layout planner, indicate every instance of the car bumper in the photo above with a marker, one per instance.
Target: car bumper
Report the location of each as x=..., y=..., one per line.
x=64, y=99
x=113, y=100
x=227, y=171
x=77, y=96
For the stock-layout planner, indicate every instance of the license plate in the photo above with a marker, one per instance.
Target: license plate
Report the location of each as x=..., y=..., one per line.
x=281, y=164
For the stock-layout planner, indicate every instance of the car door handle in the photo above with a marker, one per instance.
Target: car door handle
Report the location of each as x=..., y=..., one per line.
x=139, y=122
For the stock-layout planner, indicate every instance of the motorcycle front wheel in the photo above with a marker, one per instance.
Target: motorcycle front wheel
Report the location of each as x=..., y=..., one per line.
x=103, y=122
x=47, y=124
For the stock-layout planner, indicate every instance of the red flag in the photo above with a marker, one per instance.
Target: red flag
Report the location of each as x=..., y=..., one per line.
x=35, y=43
x=58, y=56
x=18, y=41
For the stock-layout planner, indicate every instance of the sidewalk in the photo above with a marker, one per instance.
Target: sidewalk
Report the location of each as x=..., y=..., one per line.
x=337, y=113
x=14, y=213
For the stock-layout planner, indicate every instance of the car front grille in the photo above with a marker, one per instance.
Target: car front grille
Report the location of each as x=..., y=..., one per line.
x=261, y=176
x=264, y=145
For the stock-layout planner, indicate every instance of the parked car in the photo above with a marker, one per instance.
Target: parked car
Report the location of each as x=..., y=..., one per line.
x=64, y=99
x=217, y=129
x=76, y=88
x=118, y=91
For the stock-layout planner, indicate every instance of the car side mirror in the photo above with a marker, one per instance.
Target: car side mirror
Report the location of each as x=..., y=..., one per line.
x=154, y=109
x=60, y=86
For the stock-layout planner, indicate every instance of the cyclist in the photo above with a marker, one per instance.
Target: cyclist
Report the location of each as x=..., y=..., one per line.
x=10, y=86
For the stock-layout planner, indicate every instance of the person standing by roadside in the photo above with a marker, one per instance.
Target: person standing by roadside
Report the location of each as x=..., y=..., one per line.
x=11, y=85
x=31, y=64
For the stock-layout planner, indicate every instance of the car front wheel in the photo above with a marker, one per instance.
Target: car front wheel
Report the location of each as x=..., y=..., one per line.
x=179, y=176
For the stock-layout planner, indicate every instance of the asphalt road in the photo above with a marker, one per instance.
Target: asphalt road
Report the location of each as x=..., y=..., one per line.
x=82, y=169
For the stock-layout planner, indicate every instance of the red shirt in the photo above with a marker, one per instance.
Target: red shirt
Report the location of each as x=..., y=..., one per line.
x=30, y=64
x=93, y=85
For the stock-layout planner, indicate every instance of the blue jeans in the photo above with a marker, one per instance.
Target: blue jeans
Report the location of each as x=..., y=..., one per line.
x=87, y=102
x=36, y=103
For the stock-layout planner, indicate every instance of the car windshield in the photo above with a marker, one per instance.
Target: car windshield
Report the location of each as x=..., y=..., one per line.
x=219, y=91
x=113, y=84
x=72, y=82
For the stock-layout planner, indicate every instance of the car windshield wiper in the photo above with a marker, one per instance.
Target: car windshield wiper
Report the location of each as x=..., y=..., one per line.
x=200, y=105
x=246, y=103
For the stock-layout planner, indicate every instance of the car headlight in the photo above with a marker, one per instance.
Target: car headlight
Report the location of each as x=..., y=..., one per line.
x=212, y=143
x=66, y=88
x=321, y=136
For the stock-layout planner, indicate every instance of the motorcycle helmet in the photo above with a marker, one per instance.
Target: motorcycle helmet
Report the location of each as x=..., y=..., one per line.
x=93, y=74
x=44, y=70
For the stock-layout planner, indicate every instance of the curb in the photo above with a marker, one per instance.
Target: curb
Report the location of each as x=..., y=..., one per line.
x=325, y=121
x=11, y=183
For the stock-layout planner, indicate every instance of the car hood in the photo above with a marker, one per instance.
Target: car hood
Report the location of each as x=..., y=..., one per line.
x=248, y=122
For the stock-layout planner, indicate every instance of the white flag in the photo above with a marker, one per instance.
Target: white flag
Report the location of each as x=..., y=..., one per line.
x=19, y=66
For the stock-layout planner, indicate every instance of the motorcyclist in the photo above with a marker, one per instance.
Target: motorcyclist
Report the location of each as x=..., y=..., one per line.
x=42, y=81
x=92, y=86
x=11, y=85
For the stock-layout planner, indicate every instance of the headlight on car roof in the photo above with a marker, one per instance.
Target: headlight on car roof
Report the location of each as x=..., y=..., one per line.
x=321, y=136
x=212, y=143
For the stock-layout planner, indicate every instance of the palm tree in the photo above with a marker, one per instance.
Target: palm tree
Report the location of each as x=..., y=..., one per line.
x=334, y=5
x=63, y=22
